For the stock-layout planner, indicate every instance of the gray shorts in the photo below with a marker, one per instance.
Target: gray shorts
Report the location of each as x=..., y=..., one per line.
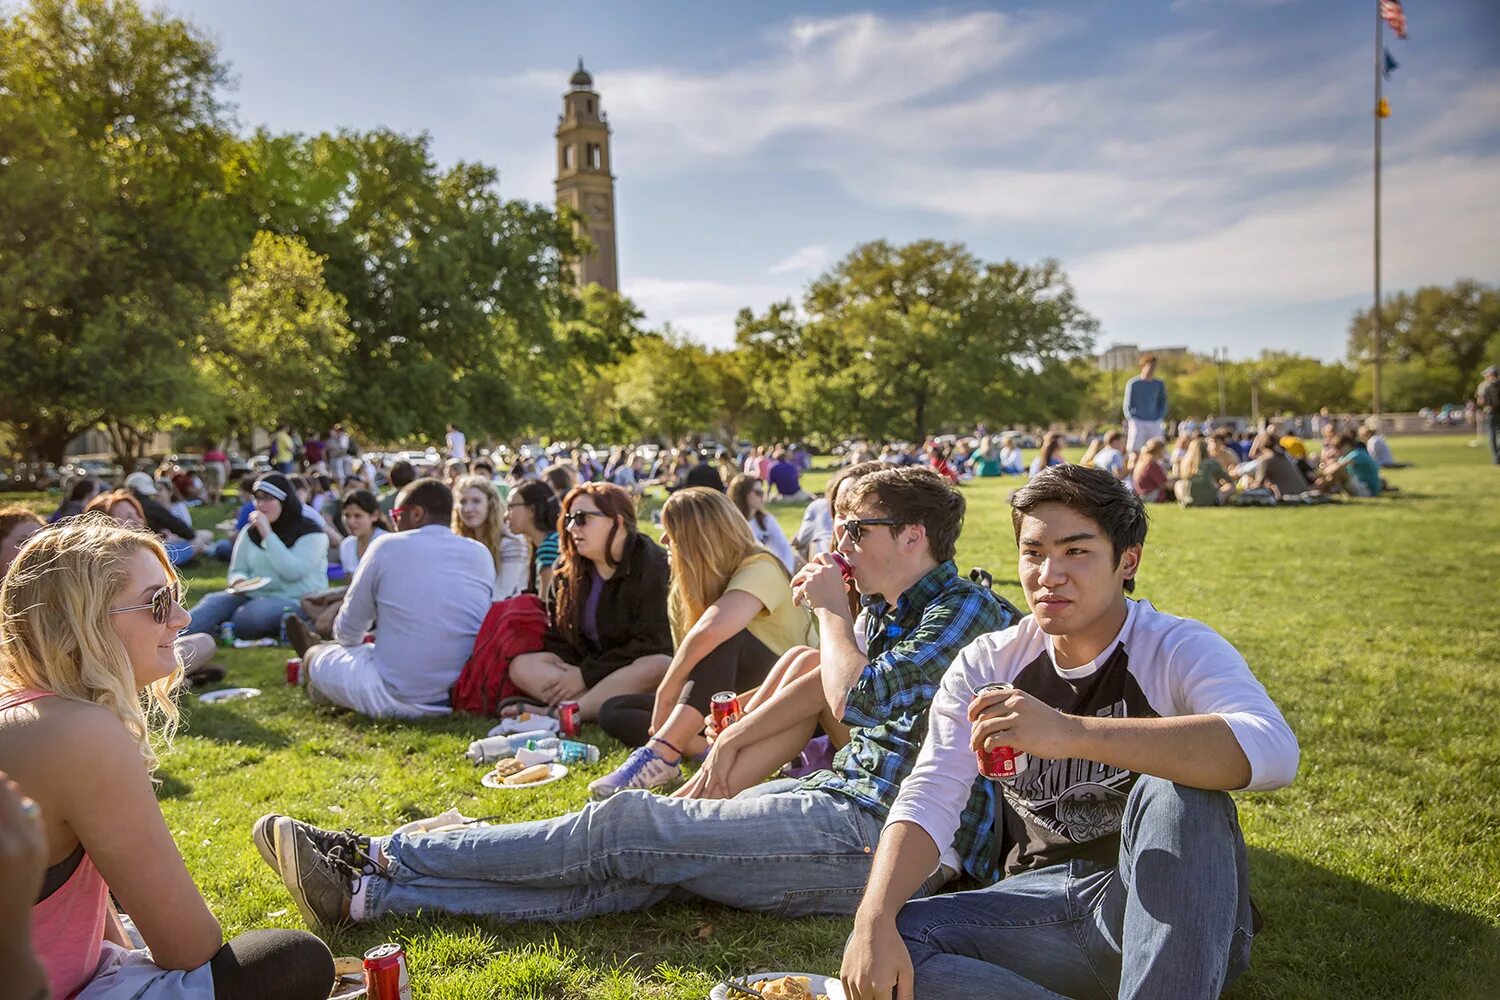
x=131, y=975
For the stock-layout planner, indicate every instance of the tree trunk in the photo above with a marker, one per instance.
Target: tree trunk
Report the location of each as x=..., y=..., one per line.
x=920, y=421
x=129, y=444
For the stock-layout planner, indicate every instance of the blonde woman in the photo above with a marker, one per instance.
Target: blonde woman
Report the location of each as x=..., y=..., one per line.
x=730, y=606
x=88, y=615
x=1202, y=481
x=480, y=515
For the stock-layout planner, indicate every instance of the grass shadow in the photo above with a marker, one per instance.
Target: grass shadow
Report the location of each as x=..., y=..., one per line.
x=223, y=724
x=1327, y=934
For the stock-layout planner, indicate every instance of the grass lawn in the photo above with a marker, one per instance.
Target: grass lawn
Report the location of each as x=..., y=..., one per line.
x=1373, y=624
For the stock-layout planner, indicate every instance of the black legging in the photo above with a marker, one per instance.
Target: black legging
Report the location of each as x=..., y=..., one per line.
x=738, y=663
x=288, y=965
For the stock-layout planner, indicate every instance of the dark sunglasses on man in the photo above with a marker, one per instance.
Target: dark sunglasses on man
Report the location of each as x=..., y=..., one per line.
x=854, y=527
x=162, y=602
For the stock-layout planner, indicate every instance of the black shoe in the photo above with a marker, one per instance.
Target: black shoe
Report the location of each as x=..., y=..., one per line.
x=320, y=868
x=300, y=636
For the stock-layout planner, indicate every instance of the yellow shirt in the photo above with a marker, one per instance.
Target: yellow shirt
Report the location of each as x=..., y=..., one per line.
x=780, y=625
x=1293, y=446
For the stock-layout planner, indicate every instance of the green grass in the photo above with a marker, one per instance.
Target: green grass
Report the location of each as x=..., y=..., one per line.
x=1372, y=623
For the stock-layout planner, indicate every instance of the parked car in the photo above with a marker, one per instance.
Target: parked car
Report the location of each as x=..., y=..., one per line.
x=99, y=468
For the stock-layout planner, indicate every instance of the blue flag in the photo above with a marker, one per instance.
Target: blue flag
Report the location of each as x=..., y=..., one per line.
x=1390, y=64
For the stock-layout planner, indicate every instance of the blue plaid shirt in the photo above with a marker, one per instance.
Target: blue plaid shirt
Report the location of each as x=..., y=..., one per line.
x=911, y=645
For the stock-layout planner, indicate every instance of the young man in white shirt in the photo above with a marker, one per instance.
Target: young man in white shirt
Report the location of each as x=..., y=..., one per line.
x=1111, y=458
x=1125, y=873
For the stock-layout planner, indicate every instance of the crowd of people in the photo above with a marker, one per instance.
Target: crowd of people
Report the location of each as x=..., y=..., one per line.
x=859, y=654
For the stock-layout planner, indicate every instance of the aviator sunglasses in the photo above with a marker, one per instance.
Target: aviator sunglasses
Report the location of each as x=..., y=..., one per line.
x=161, y=603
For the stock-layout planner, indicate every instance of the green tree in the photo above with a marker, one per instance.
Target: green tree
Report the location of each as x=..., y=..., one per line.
x=1434, y=343
x=666, y=388
x=119, y=224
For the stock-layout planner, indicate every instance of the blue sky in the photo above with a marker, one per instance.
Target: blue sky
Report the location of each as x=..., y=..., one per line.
x=1201, y=167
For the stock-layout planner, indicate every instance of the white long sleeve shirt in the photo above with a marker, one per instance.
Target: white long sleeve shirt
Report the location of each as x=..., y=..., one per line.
x=1158, y=666
x=429, y=590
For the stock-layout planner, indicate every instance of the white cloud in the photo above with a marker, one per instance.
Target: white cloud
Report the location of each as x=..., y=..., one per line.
x=703, y=309
x=804, y=259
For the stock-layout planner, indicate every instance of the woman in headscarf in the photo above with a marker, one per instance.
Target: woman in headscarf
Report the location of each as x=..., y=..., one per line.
x=278, y=545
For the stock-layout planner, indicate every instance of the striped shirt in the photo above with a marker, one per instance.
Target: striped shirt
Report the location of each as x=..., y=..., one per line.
x=911, y=645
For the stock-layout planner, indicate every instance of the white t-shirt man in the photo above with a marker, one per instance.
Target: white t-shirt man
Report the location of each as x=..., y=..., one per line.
x=1111, y=460
x=1158, y=666
x=457, y=444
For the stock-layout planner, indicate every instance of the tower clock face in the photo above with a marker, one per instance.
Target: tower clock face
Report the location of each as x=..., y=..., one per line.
x=597, y=206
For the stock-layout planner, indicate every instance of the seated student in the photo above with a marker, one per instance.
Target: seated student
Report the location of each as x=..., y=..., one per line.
x=986, y=459
x=83, y=489
x=184, y=544
x=786, y=478
x=400, y=475
x=1202, y=481
x=1049, y=454
x=1111, y=457
x=561, y=477
x=749, y=497
x=794, y=848
x=609, y=633
x=306, y=488
x=480, y=515
x=532, y=512
x=1354, y=470
x=1379, y=449
x=429, y=590
x=168, y=495
x=1124, y=868
x=1150, y=477
x=631, y=474
x=1274, y=470
x=17, y=524
x=1221, y=449
x=730, y=605
x=279, y=544
x=87, y=618
x=1012, y=461
x=365, y=522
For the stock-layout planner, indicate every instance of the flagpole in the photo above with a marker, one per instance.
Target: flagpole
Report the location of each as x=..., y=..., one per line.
x=1375, y=325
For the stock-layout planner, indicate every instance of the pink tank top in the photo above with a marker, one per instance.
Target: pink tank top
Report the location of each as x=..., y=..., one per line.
x=67, y=928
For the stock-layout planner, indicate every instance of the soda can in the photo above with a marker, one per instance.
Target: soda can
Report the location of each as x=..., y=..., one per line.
x=294, y=670
x=1000, y=763
x=725, y=707
x=842, y=562
x=226, y=634
x=567, y=718
x=385, y=973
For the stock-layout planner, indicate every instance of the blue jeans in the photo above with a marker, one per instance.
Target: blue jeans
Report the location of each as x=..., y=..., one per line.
x=180, y=553
x=773, y=849
x=1491, y=424
x=252, y=617
x=1170, y=919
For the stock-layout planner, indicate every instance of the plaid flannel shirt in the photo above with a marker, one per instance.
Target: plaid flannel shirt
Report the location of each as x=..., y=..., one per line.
x=911, y=645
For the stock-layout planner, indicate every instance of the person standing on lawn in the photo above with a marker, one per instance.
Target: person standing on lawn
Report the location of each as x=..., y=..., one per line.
x=1124, y=869
x=1488, y=399
x=1145, y=406
x=795, y=848
x=429, y=590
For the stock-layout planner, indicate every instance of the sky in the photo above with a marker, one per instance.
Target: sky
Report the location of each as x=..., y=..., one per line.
x=1201, y=168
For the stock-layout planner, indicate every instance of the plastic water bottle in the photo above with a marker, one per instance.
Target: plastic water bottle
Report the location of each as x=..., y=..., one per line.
x=493, y=748
x=568, y=751
x=226, y=634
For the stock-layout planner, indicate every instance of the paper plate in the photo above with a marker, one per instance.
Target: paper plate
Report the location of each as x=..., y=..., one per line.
x=819, y=984
x=349, y=987
x=490, y=781
x=247, y=585
x=225, y=525
x=228, y=694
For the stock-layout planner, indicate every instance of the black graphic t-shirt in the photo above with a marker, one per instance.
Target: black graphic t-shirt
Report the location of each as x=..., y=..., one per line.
x=1158, y=666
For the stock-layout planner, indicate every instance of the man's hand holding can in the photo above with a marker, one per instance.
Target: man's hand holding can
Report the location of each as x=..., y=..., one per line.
x=1009, y=722
x=823, y=584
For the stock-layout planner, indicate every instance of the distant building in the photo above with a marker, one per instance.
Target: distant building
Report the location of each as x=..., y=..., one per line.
x=584, y=182
x=1127, y=357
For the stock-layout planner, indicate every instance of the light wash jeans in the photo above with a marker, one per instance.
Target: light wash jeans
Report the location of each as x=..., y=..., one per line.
x=1171, y=919
x=773, y=849
x=253, y=617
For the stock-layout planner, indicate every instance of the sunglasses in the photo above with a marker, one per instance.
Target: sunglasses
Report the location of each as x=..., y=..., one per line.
x=854, y=528
x=161, y=604
x=581, y=517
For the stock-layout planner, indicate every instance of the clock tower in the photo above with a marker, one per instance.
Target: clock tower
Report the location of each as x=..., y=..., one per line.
x=584, y=182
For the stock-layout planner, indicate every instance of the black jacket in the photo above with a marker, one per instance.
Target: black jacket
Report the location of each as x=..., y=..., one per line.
x=159, y=519
x=632, y=616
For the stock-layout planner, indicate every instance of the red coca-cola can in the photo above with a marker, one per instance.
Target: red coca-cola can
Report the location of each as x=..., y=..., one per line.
x=842, y=562
x=294, y=670
x=1000, y=763
x=385, y=973
x=725, y=707
x=567, y=718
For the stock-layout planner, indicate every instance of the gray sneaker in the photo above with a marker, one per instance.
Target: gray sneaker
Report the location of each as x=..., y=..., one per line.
x=263, y=836
x=642, y=769
x=319, y=869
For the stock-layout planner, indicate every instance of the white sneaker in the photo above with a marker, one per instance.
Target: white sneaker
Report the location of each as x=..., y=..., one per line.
x=642, y=769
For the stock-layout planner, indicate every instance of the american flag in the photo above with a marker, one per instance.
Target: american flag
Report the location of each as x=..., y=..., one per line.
x=1394, y=16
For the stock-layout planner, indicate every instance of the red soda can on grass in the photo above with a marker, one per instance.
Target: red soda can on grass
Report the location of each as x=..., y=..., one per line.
x=567, y=718
x=725, y=707
x=294, y=671
x=1000, y=763
x=385, y=973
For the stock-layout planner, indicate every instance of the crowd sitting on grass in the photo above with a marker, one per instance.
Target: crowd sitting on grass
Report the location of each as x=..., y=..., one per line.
x=861, y=697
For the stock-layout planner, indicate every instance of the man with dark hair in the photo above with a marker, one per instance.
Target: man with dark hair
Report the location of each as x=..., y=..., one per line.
x=1145, y=406
x=787, y=479
x=401, y=475
x=701, y=472
x=1124, y=869
x=1487, y=399
x=794, y=848
x=429, y=590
